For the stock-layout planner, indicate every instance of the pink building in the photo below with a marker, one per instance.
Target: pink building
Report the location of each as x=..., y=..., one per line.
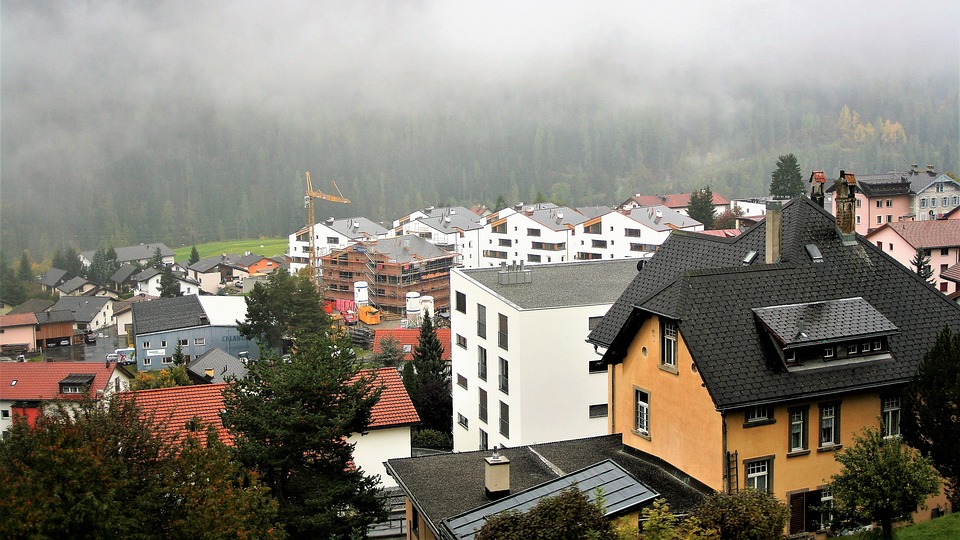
x=939, y=239
x=18, y=331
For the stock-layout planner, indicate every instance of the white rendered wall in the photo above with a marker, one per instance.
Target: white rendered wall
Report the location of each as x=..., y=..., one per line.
x=377, y=446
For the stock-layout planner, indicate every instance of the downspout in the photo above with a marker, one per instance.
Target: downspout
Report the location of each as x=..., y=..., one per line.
x=613, y=400
x=725, y=456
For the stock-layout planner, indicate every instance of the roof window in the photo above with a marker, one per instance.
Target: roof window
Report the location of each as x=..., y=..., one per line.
x=749, y=258
x=814, y=252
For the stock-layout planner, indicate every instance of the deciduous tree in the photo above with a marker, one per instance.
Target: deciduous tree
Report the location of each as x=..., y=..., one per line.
x=882, y=480
x=931, y=410
x=291, y=419
x=746, y=515
x=787, y=181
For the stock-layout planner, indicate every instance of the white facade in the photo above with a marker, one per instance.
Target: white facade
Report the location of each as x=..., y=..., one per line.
x=460, y=236
x=634, y=233
x=378, y=445
x=330, y=235
x=940, y=197
x=151, y=286
x=538, y=331
x=535, y=234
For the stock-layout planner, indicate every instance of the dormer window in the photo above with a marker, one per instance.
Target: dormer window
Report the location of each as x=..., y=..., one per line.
x=76, y=383
x=828, y=352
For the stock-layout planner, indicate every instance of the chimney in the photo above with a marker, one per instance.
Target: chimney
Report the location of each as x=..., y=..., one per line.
x=773, y=221
x=496, y=474
x=817, y=180
x=846, y=202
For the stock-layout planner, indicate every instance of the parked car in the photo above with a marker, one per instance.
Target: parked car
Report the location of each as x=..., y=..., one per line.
x=112, y=357
x=238, y=283
x=350, y=318
x=90, y=337
x=64, y=342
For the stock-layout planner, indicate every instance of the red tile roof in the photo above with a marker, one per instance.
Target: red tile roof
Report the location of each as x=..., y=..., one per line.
x=723, y=233
x=394, y=408
x=927, y=234
x=20, y=319
x=673, y=200
x=172, y=409
x=952, y=273
x=410, y=337
x=31, y=381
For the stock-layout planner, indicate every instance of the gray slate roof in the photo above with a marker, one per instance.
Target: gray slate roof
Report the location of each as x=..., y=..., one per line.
x=447, y=485
x=357, y=228
x=621, y=492
x=123, y=273
x=558, y=218
x=223, y=364
x=53, y=277
x=50, y=317
x=824, y=322
x=31, y=305
x=561, y=284
x=136, y=253
x=247, y=260
x=451, y=222
x=404, y=249
x=699, y=281
x=668, y=219
x=84, y=308
x=205, y=265
x=167, y=314
x=72, y=284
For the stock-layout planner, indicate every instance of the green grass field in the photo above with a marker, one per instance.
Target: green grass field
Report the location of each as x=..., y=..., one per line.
x=268, y=247
x=945, y=527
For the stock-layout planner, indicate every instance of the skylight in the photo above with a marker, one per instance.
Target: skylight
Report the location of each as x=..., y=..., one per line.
x=814, y=252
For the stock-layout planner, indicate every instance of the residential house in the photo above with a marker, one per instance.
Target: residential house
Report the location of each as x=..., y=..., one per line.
x=123, y=314
x=54, y=326
x=196, y=323
x=18, y=332
x=634, y=233
x=392, y=267
x=32, y=305
x=519, y=353
x=213, y=272
x=148, y=282
x=541, y=233
x=257, y=264
x=27, y=387
x=331, y=235
x=89, y=312
x=141, y=254
x=450, y=496
x=408, y=339
x=747, y=362
x=455, y=229
x=216, y=366
x=77, y=286
x=121, y=278
x=53, y=278
x=939, y=239
x=678, y=202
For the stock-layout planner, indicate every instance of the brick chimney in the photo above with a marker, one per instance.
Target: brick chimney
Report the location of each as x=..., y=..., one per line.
x=817, y=180
x=772, y=226
x=496, y=476
x=846, y=201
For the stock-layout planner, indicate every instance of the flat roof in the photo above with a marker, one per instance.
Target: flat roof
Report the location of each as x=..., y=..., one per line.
x=585, y=283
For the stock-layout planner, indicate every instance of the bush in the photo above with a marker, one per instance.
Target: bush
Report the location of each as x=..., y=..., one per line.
x=431, y=438
x=747, y=515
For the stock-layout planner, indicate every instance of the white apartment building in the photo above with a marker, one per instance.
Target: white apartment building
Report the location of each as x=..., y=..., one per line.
x=330, y=235
x=538, y=233
x=455, y=229
x=522, y=370
x=634, y=233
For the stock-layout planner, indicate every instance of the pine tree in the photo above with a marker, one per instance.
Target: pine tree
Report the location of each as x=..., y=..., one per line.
x=169, y=284
x=921, y=265
x=25, y=273
x=157, y=260
x=701, y=207
x=427, y=380
x=194, y=255
x=787, y=181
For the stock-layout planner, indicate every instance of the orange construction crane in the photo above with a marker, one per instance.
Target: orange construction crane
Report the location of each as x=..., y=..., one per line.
x=309, y=205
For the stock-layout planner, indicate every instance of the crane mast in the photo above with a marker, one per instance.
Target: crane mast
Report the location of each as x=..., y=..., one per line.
x=308, y=203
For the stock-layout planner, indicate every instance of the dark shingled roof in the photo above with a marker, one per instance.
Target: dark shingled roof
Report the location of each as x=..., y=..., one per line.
x=824, y=322
x=53, y=277
x=446, y=485
x=700, y=282
x=32, y=305
x=123, y=273
x=84, y=308
x=167, y=314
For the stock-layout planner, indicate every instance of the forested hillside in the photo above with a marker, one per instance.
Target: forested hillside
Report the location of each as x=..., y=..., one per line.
x=198, y=173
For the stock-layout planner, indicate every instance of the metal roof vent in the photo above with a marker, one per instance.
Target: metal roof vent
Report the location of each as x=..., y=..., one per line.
x=749, y=258
x=814, y=252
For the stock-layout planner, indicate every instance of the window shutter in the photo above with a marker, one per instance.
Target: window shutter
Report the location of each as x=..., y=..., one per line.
x=797, y=512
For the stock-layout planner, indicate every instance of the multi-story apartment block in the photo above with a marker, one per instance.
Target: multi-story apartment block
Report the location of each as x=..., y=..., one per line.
x=538, y=233
x=521, y=367
x=939, y=240
x=633, y=233
x=330, y=235
x=454, y=229
x=747, y=363
x=391, y=267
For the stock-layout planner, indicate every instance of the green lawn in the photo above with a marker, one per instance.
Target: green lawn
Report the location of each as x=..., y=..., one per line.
x=945, y=527
x=268, y=247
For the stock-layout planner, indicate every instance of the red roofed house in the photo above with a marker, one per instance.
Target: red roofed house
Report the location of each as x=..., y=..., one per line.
x=26, y=386
x=388, y=436
x=174, y=410
x=410, y=338
x=940, y=239
x=18, y=332
x=674, y=201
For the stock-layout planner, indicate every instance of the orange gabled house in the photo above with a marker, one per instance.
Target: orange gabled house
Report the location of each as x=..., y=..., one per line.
x=748, y=362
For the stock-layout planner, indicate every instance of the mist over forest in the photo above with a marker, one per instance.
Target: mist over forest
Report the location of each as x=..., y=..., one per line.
x=184, y=122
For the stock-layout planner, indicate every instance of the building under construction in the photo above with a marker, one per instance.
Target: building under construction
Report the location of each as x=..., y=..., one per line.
x=392, y=267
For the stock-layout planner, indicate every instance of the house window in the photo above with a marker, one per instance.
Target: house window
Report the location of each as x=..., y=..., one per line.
x=414, y=521
x=481, y=320
x=668, y=355
x=163, y=343
x=167, y=360
x=851, y=349
x=889, y=218
x=504, y=419
x=798, y=430
x=505, y=242
x=331, y=239
x=758, y=413
x=945, y=201
x=533, y=232
x=461, y=341
x=5, y=413
x=944, y=251
x=182, y=342
x=890, y=413
x=533, y=258
x=879, y=204
x=147, y=361
x=933, y=202
x=889, y=203
x=598, y=411
x=146, y=344
x=865, y=347
x=503, y=333
x=758, y=475
x=642, y=420
x=461, y=381
x=923, y=203
x=599, y=244
x=858, y=203
x=504, y=376
x=826, y=508
x=939, y=187
x=828, y=352
x=462, y=420
x=877, y=345
x=829, y=425
x=879, y=220
x=858, y=220
x=484, y=440
x=481, y=363
x=482, y=409
x=200, y=341
x=461, y=302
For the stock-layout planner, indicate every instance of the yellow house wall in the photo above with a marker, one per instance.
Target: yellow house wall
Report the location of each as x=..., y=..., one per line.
x=425, y=533
x=685, y=428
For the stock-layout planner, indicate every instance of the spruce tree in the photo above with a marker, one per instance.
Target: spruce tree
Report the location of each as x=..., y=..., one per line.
x=921, y=265
x=701, y=207
x=25, y=273
x=427, y=380
x=787, y=182
x=169, y=284
x=194, y=255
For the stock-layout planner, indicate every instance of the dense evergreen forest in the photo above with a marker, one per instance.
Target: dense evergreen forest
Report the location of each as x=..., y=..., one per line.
x=191, y=171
